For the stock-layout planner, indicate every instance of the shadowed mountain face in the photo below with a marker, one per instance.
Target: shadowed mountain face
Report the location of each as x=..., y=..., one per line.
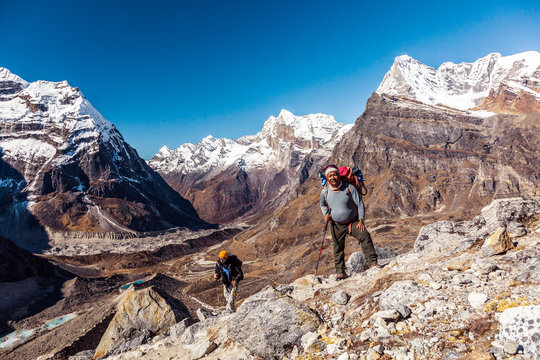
x=17, y=264
x=72, y=168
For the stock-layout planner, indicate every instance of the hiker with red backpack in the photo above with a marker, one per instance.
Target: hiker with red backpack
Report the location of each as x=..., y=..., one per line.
x=342, y=206
x=229, y=269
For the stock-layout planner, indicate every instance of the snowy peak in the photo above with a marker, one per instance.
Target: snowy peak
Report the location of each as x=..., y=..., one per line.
x=462, y=86
x=270, y=148
x=6, y=75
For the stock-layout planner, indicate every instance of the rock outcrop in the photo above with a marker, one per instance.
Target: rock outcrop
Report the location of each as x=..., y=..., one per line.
x=269, y=323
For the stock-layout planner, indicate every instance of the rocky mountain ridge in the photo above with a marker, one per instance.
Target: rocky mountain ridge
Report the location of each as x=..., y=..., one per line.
x=66, y=168
x=226, y=179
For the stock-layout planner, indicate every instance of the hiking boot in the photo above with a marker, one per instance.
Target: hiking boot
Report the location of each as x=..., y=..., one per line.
x=341, y=276
x=374, y=265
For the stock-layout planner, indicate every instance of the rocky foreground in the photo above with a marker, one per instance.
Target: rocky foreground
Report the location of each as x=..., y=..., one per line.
x=468, y=290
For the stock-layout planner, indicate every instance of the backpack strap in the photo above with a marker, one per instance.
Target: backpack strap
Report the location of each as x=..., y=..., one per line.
x=326, y=196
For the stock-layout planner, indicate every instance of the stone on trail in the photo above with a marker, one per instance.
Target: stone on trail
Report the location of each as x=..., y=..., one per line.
x=203, y=314
x=522, y=325
x=270, y=323
x=477, y=299
x=356, y=263
x=340, y=298
x=511, y=347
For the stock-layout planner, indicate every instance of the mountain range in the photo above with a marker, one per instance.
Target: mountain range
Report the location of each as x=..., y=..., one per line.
x=65, y=168
x=227, y=179
x=449, y=140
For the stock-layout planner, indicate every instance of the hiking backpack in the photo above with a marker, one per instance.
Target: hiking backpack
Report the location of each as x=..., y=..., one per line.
x=349, y=175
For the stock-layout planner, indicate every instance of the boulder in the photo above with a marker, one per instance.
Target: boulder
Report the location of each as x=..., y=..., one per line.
x=179, y=328
x=270, y=323
x=405, y=293
x=140, y=315
x=340, y=297
x=502, y=211
x=522, y=325
x=497, y=243
x=439, y=236
x=356, y=262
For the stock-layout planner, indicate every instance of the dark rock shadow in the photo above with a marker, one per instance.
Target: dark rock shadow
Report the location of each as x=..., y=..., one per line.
x=16, y=222
x=28, y=284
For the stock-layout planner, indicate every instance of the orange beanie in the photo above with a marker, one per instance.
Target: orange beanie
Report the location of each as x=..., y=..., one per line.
x=223, y=254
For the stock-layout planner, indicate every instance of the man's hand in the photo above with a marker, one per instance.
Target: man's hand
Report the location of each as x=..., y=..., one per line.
x=215, y=276
x=360, y=226
x=234, y=283
x=328, y=217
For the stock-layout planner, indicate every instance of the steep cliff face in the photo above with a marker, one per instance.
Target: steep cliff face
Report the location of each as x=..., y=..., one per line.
x=420, y=159
x=68, y=168
x=251, y=176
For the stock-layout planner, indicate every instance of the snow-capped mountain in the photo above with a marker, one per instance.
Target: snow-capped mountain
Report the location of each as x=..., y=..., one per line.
x=270, y=148
x=466, y=86
x=269, y=164
x=65, y=167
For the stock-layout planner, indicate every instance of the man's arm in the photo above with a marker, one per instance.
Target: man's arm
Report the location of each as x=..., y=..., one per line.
x=324, y=206
x=217, y=272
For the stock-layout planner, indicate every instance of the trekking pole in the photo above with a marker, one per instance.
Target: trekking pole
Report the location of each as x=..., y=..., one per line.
x=320, y=251
x=217, y=292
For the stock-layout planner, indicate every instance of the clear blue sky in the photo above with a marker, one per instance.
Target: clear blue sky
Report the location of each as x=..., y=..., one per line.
x=170, y=72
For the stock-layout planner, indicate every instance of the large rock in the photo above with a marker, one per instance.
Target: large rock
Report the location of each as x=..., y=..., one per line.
x=405, y=293
x=268, y=323
x=497, y=243
x=522, y=324
x=503, y=211
x=140, y=315
x=442, y=237
x=356, y=262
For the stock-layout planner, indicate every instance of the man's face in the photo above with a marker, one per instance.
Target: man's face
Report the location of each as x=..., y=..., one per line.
x=222, y=260
x=333, y=178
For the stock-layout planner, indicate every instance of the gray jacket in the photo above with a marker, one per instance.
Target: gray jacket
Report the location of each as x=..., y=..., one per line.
x=346, y=205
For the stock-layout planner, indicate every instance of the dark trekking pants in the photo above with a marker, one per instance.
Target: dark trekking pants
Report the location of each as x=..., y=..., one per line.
x=339, y=233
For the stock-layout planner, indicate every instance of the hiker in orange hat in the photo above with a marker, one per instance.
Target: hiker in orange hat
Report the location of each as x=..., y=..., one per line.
x=229, y=269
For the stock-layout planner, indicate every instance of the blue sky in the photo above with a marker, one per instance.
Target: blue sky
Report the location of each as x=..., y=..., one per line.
x=170, y=72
